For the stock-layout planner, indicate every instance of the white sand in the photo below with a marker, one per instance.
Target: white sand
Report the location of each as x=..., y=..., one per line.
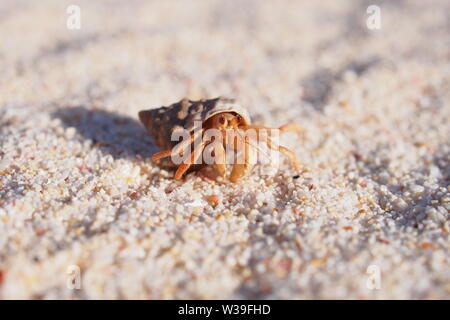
x=77, y=187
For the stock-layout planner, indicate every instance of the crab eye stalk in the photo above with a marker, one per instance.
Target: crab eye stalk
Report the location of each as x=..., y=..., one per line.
x=239, y=118
x=222, y=120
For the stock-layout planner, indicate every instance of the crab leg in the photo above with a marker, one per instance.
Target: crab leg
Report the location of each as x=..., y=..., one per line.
x=221, y=160
x=240, y=169
x=291, y=126
x=161, y=154
x=178, y=148
x=198, y=151
x=287, y=152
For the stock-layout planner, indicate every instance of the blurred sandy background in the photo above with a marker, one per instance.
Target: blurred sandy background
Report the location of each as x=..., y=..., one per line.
x=368, y=219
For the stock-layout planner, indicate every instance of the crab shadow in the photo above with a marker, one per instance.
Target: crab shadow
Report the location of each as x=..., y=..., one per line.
x=115, y=134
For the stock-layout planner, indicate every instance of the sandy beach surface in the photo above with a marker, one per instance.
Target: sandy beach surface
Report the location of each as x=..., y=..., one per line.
x=85, y=214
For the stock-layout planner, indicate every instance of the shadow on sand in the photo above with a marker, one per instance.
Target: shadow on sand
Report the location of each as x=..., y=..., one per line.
x=120, y=136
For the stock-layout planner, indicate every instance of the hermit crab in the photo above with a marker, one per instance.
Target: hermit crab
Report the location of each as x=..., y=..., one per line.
x=194, y=120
